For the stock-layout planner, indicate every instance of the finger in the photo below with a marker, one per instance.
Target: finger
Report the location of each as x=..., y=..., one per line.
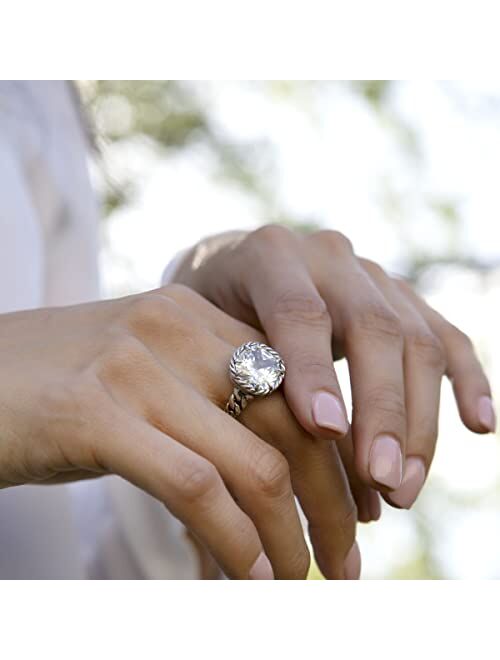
x=470, y=384
x=424, y=364
x=367, y=500
x=318, y=480
x=322, y=489
x=321, y=485
x=255, y=473
x=190, y=488
x=295, y=318
x=69, y=477
x=258, y=476
x=371, y=334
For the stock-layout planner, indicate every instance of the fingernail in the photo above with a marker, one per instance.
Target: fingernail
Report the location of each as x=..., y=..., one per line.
x=328, y=412
x=486, y=413
x=352, y=563
x=412, y=483
x=386, y=461
x=262, y=569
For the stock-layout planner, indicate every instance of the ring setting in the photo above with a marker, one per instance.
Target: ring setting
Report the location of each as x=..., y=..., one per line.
x=256, y=370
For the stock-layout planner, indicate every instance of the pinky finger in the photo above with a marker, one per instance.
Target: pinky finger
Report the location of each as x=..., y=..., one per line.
x=470, y=384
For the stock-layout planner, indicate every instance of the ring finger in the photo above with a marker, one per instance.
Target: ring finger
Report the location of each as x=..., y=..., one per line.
x=424, y=367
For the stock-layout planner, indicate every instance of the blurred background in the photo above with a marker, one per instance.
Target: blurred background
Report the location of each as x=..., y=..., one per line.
x=407, y=170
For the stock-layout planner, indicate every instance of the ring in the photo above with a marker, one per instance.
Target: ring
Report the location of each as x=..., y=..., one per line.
x=256, y=370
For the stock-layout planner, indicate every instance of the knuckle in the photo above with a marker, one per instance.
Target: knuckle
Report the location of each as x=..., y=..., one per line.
x=460, y=337
x=424, y=439
x=319, y=371
x=272, y=234
x=341, y=520
x=347, y=524
x=405, y=287
x=197, y=480
x=387, y=401
x=374, y=269
x=270, y=474
x=148, y=311
x=427, y=347
x=377, y=320
x=309, y=309
x=124, y=354
x=333, y=240
x=299, y=565
x=179, y=293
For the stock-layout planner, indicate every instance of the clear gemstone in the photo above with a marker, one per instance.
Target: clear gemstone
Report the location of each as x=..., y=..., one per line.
x=260, y=367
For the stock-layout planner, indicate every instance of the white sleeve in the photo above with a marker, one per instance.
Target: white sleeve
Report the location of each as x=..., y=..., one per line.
x=21, y=243
x=105, y=528
x=32, y=518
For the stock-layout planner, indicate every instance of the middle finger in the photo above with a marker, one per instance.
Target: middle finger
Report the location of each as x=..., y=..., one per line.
x=370, y=331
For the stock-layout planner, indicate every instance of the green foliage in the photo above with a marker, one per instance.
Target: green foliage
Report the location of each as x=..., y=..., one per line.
x=172, y=117
x=167, y=117
x=374, y=91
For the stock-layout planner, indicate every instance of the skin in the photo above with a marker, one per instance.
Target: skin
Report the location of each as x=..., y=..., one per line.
x=136, y=387
x=317, y=301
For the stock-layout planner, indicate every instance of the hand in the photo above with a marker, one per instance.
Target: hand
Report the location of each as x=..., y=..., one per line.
x=316, y=300
x=136, y=387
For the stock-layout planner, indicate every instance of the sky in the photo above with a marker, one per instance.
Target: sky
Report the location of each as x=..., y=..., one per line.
x=332, y=168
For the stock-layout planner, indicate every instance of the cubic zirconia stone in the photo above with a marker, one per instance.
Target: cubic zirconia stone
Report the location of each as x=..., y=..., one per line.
x=259, y=366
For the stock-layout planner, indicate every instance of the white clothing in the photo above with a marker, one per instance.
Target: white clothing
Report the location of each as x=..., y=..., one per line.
x=103, y=528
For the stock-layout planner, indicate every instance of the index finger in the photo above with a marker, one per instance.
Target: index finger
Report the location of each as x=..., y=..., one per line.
x=296, y=320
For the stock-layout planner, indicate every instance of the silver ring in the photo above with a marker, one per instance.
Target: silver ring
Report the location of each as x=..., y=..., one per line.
x=256, y=370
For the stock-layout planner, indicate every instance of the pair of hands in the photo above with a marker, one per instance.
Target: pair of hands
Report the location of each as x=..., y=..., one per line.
x=136, y=387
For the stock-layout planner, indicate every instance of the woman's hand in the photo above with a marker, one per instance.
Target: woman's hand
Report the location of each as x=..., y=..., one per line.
x=316, y=300
x=136, y=387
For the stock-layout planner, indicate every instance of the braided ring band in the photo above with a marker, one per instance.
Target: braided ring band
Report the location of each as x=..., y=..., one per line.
x=256, y=370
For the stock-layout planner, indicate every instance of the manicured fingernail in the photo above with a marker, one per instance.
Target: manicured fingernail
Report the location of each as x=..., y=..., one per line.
x=262, y=569
x=386, y=461
x=486, y=413
x=329, y=413
x=352, y=563
x=412, y=483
